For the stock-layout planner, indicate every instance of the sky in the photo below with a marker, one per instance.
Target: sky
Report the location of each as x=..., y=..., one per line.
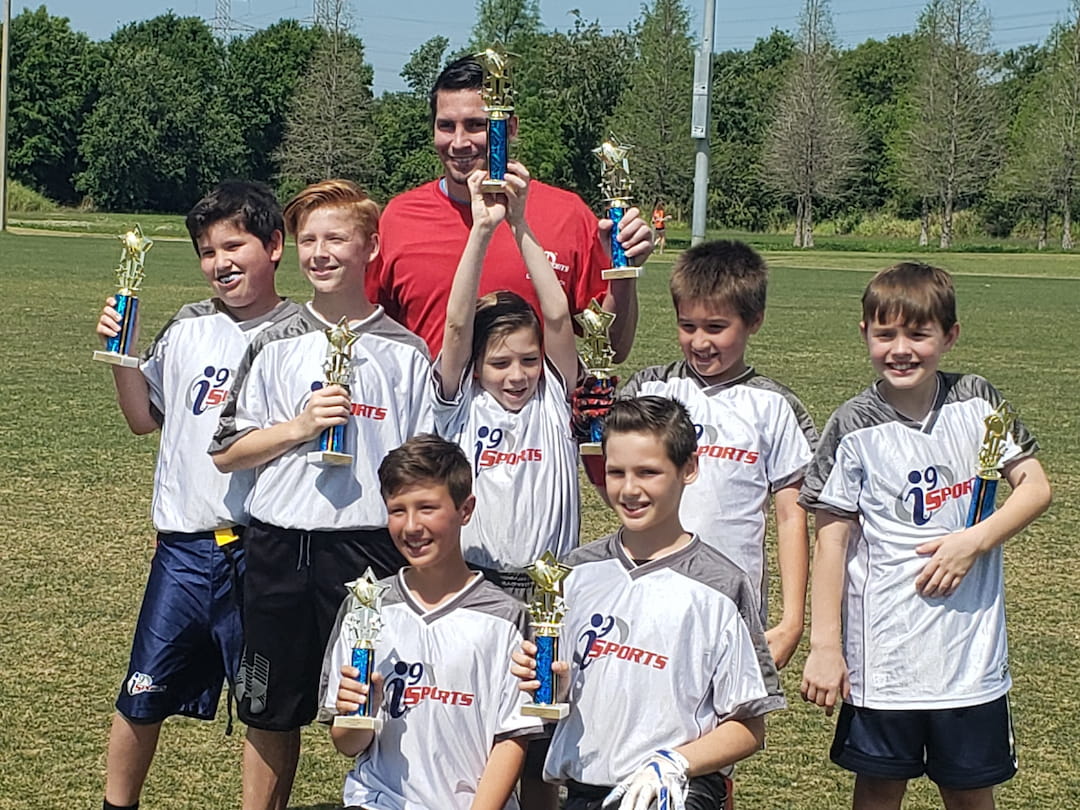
x=390, y=31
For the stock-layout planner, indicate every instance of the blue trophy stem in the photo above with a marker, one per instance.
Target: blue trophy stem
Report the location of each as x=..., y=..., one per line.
x=547, y=650
x=332, y=439
x=362, y=659
x=498, y=147
x=127, y=306
x=618, y=255
x=983, y=496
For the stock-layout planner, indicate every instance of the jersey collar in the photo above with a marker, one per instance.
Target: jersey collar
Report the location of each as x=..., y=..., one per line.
x=429, y=616
x=636, y=571
x=685, y=370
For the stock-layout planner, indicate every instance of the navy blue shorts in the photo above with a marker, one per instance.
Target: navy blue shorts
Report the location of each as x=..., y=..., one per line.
x=959, y=749
x=188, y=637
x=294, y=584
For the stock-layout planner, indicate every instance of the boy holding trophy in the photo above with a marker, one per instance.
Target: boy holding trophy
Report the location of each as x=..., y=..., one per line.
x=317, y=520
x=188, y=636
x=441, y=660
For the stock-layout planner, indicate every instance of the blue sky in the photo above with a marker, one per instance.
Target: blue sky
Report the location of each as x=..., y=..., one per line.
x=391, y=30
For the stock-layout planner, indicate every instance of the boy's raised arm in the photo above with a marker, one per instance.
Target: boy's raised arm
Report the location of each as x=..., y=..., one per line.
x=500, y=774
x=488, y=210
x=793, y=559
x=825, y=676
x=554, y=308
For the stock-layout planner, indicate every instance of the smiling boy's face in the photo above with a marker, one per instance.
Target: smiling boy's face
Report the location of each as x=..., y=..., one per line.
x=240, y=268
x=425, y=524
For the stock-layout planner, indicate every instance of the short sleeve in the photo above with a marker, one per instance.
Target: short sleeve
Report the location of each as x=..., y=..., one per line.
x=247, y=407
x=738, y=687
x=450, y=415
x=790, y=451
x=833, y=481
x=511, y=722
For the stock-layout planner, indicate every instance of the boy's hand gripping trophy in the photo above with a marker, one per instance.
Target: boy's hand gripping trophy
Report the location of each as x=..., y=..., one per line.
x=129, y=276
x=499, y=106
x=363, y=623
x=337, y=367
x=615, y=185
x=547, y=611
x=984, y=490
x=597, y=355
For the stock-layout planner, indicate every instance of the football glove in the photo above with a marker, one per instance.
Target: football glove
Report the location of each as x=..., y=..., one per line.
x=662, y=779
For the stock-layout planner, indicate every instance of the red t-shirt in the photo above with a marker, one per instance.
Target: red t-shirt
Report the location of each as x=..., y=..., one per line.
x=423, y=233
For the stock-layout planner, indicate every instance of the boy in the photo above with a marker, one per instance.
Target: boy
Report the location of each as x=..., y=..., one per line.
x=313, y=527
x=671, y=675
x=755, y=438
x=923, y=670
x=454, y=735
x=188, y=636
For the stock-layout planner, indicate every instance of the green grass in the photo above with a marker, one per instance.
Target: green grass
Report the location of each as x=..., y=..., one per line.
x=76, y=490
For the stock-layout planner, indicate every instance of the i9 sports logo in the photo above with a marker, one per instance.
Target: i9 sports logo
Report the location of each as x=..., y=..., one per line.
x=209, y=390
x=494, y=446
x=928, y=491
x=404, y=690
x=707, y=436
x=605, y=636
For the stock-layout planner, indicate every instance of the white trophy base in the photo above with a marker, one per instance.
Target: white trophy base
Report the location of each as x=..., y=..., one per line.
x=591, y=449
x=117, y=359
x=490, y=186
x=547, y=711
x=621, y=272
x=329, y=458
x=358, y=721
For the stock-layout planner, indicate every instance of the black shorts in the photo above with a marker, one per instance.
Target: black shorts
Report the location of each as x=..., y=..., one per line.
x=294, y=585
x=960, y=749
x=708, y=792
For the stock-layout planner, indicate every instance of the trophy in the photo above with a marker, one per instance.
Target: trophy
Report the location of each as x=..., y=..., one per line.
x=984, y=490
x=615, y=185
x=363, y=623
x=597, y=355
x=129, y=276
x=547, y=611
x=337, y=368
x=499, y=106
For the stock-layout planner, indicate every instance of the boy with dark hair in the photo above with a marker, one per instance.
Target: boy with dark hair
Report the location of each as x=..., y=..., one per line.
x=313, y=527
x=755, y=438
x=442, y=661
x=671, y=675
x=908, y=615
x=188, y=636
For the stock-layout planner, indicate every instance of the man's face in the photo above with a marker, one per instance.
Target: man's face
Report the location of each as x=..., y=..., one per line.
x=461, y=133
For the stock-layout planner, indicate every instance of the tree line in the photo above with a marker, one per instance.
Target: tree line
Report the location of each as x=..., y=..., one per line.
x=930, y=126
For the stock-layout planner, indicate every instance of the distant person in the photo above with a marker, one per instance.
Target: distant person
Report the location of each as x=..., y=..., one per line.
x=424, y=230
x=659, y=218
x=908, y=606
x=188, y=637
x=313, y=527
x=453, y=736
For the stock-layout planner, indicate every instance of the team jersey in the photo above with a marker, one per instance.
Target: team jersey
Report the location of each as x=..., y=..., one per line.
x=754, y=437
x=422, y=234
x=448, y=696
x=390, y=403
x=907, y=483
x=524, y=471
x=188, y=369
x=662, y=653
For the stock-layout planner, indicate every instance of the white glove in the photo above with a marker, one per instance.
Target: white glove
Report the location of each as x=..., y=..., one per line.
x=663, y=779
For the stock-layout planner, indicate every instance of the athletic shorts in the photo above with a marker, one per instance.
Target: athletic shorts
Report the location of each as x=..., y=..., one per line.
x=960, y=749
x=188, y=636
x=293, y=586
x=708, y=792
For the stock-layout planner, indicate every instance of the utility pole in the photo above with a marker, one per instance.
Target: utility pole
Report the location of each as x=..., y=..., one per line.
x=5, y=48
x=222, y=20
x=699, y=123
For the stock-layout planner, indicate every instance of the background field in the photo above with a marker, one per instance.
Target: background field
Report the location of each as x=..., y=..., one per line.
x=76, y=488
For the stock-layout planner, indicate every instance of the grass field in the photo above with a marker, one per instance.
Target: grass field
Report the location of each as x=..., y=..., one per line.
x=76, y=496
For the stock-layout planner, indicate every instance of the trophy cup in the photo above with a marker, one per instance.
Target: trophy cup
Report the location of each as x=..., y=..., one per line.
x=363, y=623
x=129, y=276
x=615, y=185
x=596, y=353
x=337, y=368
x=547, y=611
x=984, y=490
x=499, y=106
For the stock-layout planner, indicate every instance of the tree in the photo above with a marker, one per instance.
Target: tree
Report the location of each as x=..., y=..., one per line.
x=328, y=129
x=424, y=65
x=54, y=74
x=811, y=147
x=161, y=132
x=653, y=113
x=507, y=22
x=262, y=74
x=950, y=147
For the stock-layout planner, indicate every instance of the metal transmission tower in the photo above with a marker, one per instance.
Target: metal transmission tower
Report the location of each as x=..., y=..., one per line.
x=325, y=13
x=222, y=19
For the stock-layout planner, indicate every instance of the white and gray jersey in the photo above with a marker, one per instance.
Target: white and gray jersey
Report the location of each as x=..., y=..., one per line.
x=390, y=403
x=907, y=483
x=448, y=696
x=754, y=437
x=524, y=471
x=661, y=653
x=189, y=368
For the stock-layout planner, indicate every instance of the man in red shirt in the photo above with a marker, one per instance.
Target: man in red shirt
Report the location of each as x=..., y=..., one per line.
x=423, y=231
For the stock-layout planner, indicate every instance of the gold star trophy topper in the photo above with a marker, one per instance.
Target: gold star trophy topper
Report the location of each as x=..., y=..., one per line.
x=615, y=181
x=548, y=574
x=998, y=424
x=596, y=352
x=130, y=273
x=341, y=339
x=497, y=92
x=364, y=619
